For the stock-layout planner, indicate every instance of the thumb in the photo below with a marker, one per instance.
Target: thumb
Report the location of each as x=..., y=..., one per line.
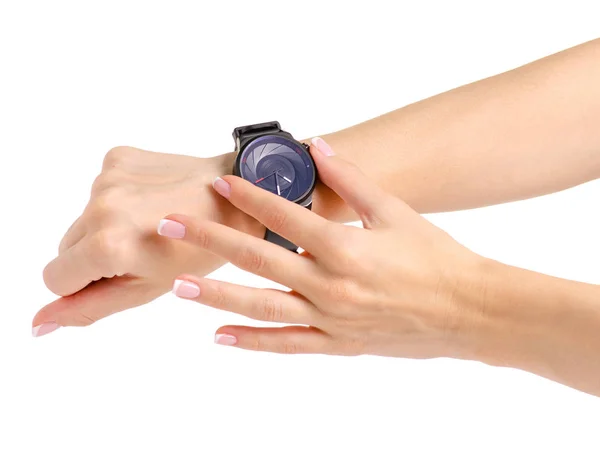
x=374, y=206
x=96, y=301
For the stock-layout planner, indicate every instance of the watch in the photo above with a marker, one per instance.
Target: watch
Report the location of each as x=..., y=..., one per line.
x=273, y=160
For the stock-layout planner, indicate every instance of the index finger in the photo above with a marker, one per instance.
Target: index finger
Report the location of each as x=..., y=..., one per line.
x=291, y=221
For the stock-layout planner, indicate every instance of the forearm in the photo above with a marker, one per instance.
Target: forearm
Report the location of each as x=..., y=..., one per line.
x=530, y=131
x=537, y=323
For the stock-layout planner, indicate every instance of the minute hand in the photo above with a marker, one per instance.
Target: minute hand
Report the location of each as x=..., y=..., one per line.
x=277, y=183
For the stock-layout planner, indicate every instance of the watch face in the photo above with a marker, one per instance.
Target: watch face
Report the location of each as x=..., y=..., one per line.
x=280, y=165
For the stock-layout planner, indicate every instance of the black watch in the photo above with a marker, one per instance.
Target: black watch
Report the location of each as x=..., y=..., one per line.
x=274, y=161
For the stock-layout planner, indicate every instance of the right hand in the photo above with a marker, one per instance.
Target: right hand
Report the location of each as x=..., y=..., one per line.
x=397, y=287
x=111, y=259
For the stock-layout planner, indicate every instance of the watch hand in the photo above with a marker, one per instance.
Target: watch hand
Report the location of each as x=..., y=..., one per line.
x=285, y=178
x=277, y=182
x=265, y=177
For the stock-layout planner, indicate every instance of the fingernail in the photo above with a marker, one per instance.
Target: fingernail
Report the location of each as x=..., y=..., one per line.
x=222, y=187
x=322, y=146
x=172, y=229
x=44, y=329
x=225, y=340
x=185, y=289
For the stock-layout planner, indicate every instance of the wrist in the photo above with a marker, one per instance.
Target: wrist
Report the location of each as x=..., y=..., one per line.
x=496, y=325
x=483, y=315
x=466, y=321
x=534, y=322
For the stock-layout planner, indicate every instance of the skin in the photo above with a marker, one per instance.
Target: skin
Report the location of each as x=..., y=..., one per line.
x=111, y=259
x=436, y=300
x=523, y=133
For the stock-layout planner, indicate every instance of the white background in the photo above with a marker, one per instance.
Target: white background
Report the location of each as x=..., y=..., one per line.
x=77, y=78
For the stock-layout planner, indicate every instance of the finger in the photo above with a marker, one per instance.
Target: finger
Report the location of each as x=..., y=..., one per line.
x=372, y=204
x=268, y=305
x=247, y=252
x=94, y=257
x=295, y=223
x=74, y=234
x=96, y=301
x=284, y=340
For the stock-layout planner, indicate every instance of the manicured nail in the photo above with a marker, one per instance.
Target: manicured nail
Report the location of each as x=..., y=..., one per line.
x=185, y=289
x=44, y=329
x=222, y=187
x=322, y=146
x=225, y=340
x=172, y=229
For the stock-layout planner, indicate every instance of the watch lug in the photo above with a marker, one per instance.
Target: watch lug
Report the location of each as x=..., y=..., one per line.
x=306, y=202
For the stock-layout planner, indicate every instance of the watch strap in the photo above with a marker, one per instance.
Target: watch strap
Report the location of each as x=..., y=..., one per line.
x=242, y=133
x=279, y=240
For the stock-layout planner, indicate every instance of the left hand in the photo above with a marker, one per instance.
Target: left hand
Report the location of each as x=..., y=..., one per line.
x=111, y=259
x=396, y=287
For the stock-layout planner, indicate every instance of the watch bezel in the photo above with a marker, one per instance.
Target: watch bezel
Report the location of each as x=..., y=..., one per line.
x=243, y=145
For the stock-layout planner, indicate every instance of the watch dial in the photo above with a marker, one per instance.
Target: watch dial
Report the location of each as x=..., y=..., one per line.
x=279, y=165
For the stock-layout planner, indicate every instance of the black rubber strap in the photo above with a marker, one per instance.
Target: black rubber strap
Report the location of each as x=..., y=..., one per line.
x=283, y=242
x=277, y=239
x=255, y=130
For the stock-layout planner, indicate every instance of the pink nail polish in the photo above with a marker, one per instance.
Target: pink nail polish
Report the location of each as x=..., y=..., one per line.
x=44, y=329
x=172, y=229
x=185, y=289
x=225, y=340
x=222, y=187
x=322, y=146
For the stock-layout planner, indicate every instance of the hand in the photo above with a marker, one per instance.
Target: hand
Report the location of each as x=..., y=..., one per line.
x=393, y=288
x=111, y=258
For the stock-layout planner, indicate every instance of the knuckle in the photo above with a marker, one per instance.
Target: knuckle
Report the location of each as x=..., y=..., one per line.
x=116, y=156
x=331, y=243
x=106, y=180
x=347, y=255
x=257, y=344
x=269, y=310
x=273, y=218
x=105, y=202
x=339, y=291
x=200, y=234
x=105, y=242
x=100, y=183
x=82, y=319
x=252, y=261
x=220, y=296
x=289, y=348
x=109, y=252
